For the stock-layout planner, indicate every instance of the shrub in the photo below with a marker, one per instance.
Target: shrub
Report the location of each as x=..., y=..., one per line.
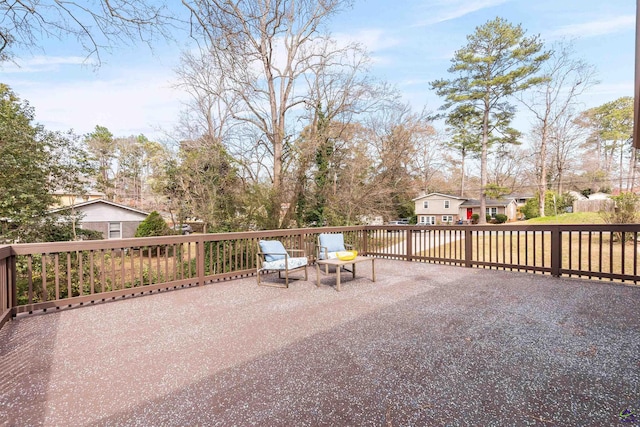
x=562, y=203
x=489, y=218
x=475, y=218
x=625, y=212
x=153, y=225
x=501, y=218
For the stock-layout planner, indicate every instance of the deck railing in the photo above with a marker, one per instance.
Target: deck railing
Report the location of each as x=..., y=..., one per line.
x=54, y=275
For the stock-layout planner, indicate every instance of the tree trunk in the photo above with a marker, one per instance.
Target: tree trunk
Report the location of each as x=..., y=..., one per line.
x=542, y=188
x=483, y=166
x=462, y=175
x=633, y=168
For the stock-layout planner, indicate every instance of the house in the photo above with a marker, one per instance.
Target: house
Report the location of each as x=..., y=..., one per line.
x=438, y=208
x=507, y=207
x=113, y=220
x=521, y=200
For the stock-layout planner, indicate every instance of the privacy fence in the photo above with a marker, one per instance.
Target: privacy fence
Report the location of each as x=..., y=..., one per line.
x=44, y=276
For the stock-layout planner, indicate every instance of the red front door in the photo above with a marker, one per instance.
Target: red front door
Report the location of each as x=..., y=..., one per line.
x=469, y=213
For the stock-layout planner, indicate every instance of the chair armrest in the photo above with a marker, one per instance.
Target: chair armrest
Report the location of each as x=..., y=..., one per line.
x=321, y=250
x=273, y=253
x=297, y=251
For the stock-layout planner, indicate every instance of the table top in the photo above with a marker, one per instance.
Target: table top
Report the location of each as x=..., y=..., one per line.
x=336, y=261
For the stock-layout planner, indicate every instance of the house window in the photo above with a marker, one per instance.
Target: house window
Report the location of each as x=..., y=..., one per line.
x=492, y=212
x=446, y=204
x=447, y=219
x=115, y=230
x=429, y=220
x=425, y=204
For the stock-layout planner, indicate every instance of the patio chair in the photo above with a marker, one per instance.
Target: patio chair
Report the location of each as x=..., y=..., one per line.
x=272, y=256
x=329, y=244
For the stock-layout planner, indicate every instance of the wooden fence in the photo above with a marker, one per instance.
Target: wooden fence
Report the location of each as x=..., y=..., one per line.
x=54, y=275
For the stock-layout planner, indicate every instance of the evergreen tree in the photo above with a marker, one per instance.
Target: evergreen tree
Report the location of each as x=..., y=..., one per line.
x=33, y=163
x=497, y=62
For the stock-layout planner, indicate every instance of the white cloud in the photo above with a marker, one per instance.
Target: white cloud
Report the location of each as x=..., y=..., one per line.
x=36, y=64
x=139, y=102
x=446, y=10
x=596, y=28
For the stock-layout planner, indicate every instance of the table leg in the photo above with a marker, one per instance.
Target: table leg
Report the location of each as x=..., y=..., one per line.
x=317, y=275
x=373, y=269
x=338, y=278
x=353, y=270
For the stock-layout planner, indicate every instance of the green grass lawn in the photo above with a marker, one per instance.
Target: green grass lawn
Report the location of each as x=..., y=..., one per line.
x=568, y=218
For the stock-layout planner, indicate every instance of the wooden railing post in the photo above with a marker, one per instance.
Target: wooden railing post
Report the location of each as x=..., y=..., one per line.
x=468, y=248
x=200, y=261
x=365, y=241
x=8, y=291
x=409, y=233
x=556, y=251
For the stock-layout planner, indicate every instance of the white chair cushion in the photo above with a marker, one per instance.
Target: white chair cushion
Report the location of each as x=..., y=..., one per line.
x=280, y=264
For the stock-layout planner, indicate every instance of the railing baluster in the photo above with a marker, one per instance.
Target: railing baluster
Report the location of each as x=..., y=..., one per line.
x=114, y=285
x=123, y=260
x=69, y=276
x=600, y=255
x=102, y=276
x=43, y=262
x=30, y=277
x=91, y=272
x=611, y=237
x=635, y=256
x=623, y=244
x=80, y=255
x=56, y=265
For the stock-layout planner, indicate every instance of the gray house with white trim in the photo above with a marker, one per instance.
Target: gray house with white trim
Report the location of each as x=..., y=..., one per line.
x=113, y=220
x=438, y=208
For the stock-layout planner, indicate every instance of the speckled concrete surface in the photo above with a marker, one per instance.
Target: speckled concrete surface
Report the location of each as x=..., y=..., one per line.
x=424, y=345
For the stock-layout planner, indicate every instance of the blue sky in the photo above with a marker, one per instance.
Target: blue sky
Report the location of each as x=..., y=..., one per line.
x=411, y=43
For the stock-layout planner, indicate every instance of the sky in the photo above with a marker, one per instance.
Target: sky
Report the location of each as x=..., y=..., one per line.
x=411, y=43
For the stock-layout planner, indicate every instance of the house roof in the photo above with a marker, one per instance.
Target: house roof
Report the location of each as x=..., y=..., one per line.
x=448, y=196
x=489, y=202
x=599, y=196
x=106, y=202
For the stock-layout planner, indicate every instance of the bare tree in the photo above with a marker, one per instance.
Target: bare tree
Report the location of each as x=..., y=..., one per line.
x=396, y=135
x=565, y=140
x=429, y=159
x=339, y=93
x=505, y=169
x=96, y=24
x=264, y=48
x=552, y=100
